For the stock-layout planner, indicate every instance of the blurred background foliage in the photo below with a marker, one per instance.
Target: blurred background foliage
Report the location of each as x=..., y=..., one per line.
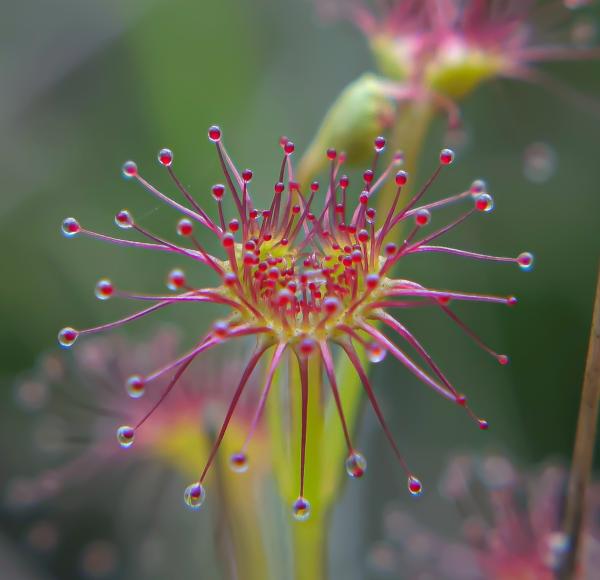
x=88, y=84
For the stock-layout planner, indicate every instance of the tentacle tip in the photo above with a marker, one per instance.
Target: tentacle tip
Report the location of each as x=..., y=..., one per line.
x=104, y=289
x=70, y=227
x=301, y=509
x=214, y=133
x=483, y=424
x=165, y=157
x=525, y=261
x=129, y=169
x=125, y=436
x=135, y=386
x=124, y=219
x=67, y=337
x=238, y=462
x=446, y=156
x=356, y=465
x=503, y=359
x=194, y=496
x=484, y=202
x=415, y=487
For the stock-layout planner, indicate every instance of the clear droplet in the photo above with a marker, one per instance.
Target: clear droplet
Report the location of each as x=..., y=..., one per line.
x=356, y=465
x=125, y=436
x=375, y=352
x=301, y=509
x=239, y=462
x=422, y=217
x=484, y=202
x=194, y=496
x=446, y=156
x=525, y=261
x=539, y=162
x=135, y=386
x=176, y=279
x=165, y=157
x=129, y=169
x=70, y=227
x=124, y=219
x=415, y=487
x=104, y=289
x=67, y=336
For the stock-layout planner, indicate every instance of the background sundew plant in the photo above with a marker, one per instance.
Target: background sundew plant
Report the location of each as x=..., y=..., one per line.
x=89, y=85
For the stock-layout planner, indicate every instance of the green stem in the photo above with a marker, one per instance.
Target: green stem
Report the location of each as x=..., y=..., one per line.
x=310, y=547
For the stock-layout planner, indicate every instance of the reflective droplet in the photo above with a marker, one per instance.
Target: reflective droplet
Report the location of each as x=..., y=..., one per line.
x=214, y=133
x=176, y=279
x=135, y=386
x=356, y=465
x=104, y=289
x=483, y=424
x=415, y=487
x=484, y=202
x=539, y=162
x=67, y=336
x=375, y=352
x=525, y=261
x=165, y=157
x=129, y=169
x=503, y=359
x=446, y=156
x=477, y=187
x=185, y=227
x=124, y=219
x=301, y=509
x=239, y=462
x=125, y=436
x=70, y=227
x=422, y=217
x=194, y=496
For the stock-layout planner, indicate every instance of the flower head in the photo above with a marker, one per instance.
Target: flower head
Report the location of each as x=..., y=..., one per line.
x=300, y=279
x=511, y=524
x=452, y=46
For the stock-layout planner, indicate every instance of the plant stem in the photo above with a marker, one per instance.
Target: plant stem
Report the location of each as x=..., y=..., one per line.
x=583, y=450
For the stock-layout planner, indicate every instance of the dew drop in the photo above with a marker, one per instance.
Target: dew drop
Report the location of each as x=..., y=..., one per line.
x=194, y=496
x=525, y=261
x=214, y=134
x=503, y=359
x=477, y=187
x=401, y=178
x=484, y=202
x=415, y=487
x=539, y=162
x=70, y=227
x=165, y=157
x=176, y=279
x=379, y=144
x=239, y=462
x=446, y=156
x=301, y=509
x=218, y=191
x=375, y=352
x=422, y=217
x=185, y=227
x=124, y=219
x=483, y=424
x=129, y=169
x=67, y=336
x=135, y=386
x=104, y=289
x=125, y=436
x=356, y=465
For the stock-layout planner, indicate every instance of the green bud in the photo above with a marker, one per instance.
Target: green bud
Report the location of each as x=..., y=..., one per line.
x=363, y=111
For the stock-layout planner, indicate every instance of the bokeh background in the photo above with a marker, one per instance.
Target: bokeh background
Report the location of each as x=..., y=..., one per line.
x=88, y=84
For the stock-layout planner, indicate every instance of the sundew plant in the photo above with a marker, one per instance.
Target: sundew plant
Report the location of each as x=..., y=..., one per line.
x=310, y=294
